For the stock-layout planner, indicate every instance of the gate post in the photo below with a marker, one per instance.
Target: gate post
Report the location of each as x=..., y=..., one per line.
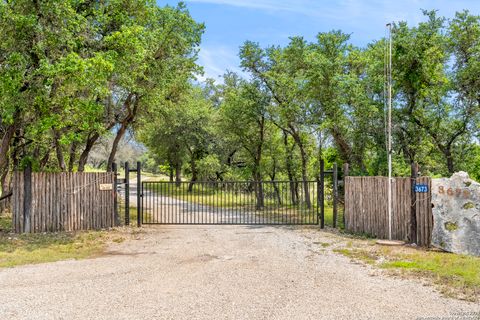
x=139, y=194
x=413, y=204
x=345, y=174
x=322, y=194
x=115, y=195
x=27, y=198
x=127, y=194
x=335, y=194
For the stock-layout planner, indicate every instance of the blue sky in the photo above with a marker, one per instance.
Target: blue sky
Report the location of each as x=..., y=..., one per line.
x=231, y=22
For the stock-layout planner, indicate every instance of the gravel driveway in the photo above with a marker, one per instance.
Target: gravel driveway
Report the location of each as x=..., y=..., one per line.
x=218, y=272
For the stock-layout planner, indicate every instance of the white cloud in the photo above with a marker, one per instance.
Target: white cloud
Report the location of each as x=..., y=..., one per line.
x=338, y=10
x=261, y=4
x=365, y=18
x=355, y=11
x=216, y=60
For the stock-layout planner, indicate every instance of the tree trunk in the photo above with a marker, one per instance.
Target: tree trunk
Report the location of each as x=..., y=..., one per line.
x=17, y=150
x=178, y=173
x=449, y=159
x=295, y=189
x=91, y=140
x=72, y=157
x=258, y=190
x=44, y=160
x=288, y=162
x=257, y=161
x=125, y=123
x=257, y=177
x=82, y=161
x=303, y=156
x=58, y=150
x=118, y=137
x=306, y=189
x=345, y=150
x=5, y=147
x=193, y=167
x=276, y=190
x=171, y=173
x=5, y=181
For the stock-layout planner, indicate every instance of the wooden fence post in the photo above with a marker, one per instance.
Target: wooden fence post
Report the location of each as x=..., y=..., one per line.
x=27, y=198
x=318, y=199
x=335, y=194
x=322, y=194
x=139, y=194
x=346, y=172
x=413, y=206
x=115, y=195
x=127, y=194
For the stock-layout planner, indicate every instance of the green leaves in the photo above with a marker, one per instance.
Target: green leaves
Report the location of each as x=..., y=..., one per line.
x=433, y=101
x=68, y=67
x=72, y=71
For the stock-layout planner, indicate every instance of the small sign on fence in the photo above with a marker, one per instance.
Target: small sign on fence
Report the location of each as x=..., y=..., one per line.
x=421, y=188
x=106, y=186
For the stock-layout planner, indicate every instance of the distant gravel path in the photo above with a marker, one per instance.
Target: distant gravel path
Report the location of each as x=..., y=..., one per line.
x=218, y=272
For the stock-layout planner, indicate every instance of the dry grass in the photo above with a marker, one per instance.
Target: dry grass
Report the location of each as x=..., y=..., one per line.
x=455, y=275
x=20, y=249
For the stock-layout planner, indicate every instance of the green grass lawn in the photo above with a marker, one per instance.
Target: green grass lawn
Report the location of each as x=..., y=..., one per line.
x=456, y=275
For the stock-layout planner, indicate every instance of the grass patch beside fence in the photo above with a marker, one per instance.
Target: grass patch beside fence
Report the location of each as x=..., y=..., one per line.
x=455, y=275
x=329, y=217
x=20, y=249
x=133, y=212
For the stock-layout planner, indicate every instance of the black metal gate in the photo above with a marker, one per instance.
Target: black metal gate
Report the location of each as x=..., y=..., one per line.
x=232, y=202
x=226, y=202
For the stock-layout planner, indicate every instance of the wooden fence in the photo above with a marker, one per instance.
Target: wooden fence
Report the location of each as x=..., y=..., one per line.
x=49, y=202
x=366, y=208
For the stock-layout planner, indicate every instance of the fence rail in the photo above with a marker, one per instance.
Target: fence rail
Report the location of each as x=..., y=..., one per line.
x=49, y=202
x=366, y=208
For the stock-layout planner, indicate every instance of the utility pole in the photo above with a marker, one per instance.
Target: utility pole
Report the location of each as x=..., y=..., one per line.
x=389, y=130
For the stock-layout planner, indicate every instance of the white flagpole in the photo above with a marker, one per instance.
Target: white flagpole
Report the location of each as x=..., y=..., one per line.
x=389, y=148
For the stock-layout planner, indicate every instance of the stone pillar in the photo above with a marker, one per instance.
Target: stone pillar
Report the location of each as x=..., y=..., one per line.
x=456, y=214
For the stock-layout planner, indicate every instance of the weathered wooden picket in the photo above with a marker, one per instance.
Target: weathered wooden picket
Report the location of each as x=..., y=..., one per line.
x=366, y=208
x=49, y=202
